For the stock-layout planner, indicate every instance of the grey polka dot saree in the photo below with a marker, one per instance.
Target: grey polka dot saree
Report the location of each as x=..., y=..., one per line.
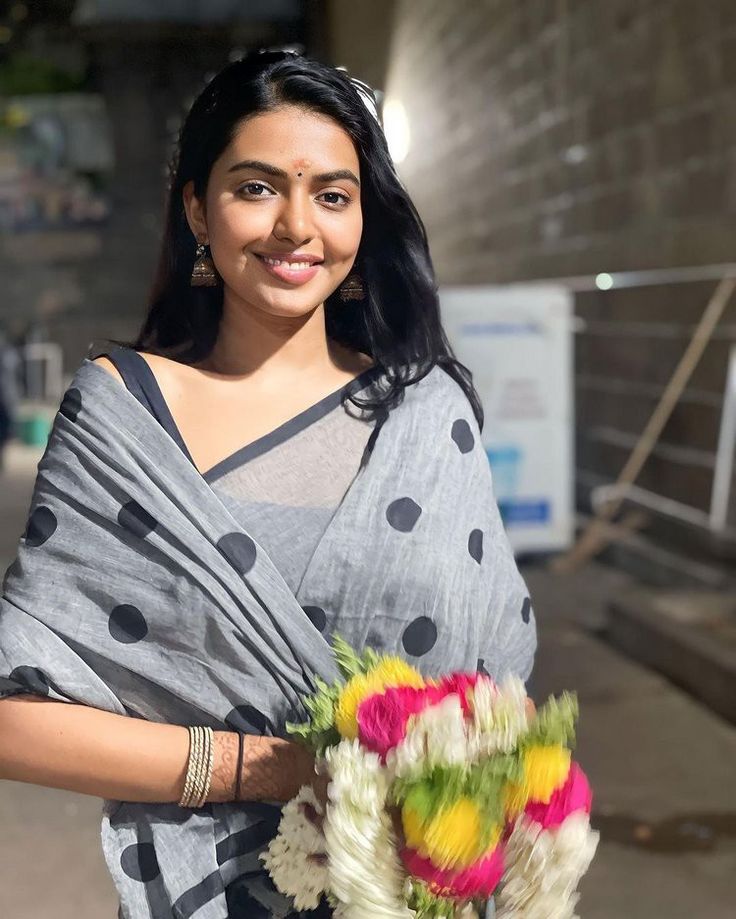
x=134, y=590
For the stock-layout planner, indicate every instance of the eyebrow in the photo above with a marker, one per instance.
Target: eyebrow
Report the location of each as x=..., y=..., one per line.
x=260, y=166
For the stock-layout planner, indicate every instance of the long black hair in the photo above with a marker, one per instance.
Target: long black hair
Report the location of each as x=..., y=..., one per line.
x=397, y=322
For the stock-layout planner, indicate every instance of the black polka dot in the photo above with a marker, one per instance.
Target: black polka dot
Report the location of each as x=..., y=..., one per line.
x=419, y=636
x=127, y=624
x=248, y=720
x=71, y=404
x=403, y=514
x=375, y=639
x=240, y=550
x=475, y=545
x=481, y=667
x=136, y=519
x=317, y=617
x=33, y=678
x=462, y=435
x=41, y=524
x=526, y=608
x=139, y=862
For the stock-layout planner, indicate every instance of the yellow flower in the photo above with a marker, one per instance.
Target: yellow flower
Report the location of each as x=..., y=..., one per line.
x=393, y=671
x=390, y=671
x=452, y=838
x=346, y=710
x=545, y=769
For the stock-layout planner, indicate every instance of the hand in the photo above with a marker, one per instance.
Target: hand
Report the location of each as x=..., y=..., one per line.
x=531, y=709
x=319, y=783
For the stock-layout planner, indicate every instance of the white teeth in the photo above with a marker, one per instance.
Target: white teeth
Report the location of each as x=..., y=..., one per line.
x=293, y=265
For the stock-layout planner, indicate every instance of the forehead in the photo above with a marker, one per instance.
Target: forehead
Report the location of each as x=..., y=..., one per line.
x=293, y=139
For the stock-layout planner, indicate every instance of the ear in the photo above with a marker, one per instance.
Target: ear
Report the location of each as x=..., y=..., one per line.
x=195, y=211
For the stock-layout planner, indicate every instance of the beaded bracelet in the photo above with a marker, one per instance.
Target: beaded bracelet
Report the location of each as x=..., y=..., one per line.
x=239, y=768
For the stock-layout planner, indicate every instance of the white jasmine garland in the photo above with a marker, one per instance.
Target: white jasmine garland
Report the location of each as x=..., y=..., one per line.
x=365, y=873
x=499, y=715
x=467, y=911
x=437, y=736
x=544, y=867
x=290, y=859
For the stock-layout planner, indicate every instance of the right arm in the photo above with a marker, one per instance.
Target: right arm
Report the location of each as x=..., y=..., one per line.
x=94, y=752
x=87, y=750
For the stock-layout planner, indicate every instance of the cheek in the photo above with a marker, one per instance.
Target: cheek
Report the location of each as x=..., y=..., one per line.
x=234, y=227
x=343, y=241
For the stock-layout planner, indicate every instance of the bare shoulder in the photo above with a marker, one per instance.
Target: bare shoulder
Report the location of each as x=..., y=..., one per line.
x=160, y=366
x=170, y=375
x=109, y=366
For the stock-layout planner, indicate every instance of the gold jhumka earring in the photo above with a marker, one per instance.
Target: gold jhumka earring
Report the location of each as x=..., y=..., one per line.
x=352, y=288
x=204, y=273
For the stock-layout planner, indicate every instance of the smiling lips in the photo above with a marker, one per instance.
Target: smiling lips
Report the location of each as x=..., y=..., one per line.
x=297, y=270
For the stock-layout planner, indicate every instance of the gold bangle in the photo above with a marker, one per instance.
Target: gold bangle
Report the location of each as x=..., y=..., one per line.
x=192, y=766
x=199, y=767
x=193, y=760
x=208, y=758
x=188, y=777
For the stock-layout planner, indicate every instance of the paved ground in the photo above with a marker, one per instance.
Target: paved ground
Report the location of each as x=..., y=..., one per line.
x=663, y=768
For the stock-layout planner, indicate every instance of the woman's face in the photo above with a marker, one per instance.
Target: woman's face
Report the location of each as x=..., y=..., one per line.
x=286, y=186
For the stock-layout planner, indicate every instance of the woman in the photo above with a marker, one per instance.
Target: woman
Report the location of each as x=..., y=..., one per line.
x=288, y=449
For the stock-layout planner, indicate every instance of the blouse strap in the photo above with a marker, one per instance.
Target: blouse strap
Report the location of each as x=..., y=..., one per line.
x=142, y=383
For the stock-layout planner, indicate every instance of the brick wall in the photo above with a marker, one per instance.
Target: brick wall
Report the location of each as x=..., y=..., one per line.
x=558, y=137
x=568, y=137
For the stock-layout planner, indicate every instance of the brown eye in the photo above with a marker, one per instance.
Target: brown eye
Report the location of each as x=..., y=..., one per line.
x=247, y=188
x=336, y=194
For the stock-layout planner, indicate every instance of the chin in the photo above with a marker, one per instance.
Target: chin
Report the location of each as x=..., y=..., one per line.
x=288, y=303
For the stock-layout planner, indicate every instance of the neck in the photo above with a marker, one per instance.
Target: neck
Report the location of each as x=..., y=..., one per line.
x=262, y=346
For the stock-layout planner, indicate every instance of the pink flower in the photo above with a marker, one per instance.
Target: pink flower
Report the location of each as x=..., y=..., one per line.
x=382, y=717
x=574, y=795
x=459, y=683
x=480, y=879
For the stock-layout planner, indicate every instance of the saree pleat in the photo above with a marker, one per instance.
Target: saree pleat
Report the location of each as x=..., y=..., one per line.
x=135, y=590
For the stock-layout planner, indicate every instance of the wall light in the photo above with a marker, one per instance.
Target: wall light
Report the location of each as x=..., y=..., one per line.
x=396, y=129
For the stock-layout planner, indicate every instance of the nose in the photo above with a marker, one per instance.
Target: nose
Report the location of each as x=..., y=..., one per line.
x=294, y=221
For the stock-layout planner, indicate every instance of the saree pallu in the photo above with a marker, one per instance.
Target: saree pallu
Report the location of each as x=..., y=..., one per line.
x=134, y=590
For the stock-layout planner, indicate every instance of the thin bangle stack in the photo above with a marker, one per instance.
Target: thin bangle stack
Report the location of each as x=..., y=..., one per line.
x=199, y=767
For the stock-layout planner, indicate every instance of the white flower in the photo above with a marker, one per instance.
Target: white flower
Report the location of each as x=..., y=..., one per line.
x=295, y=856
x=407, y=759
x=499, y=715
x=544, y=867
x=437, y=736
x=358, y=781
x=365, y=872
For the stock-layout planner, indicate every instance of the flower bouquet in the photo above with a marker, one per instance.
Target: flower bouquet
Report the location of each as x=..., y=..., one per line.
x=442, y=793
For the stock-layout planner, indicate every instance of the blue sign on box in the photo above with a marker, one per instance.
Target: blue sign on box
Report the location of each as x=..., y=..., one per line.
x=518, y=512
x=506, y=467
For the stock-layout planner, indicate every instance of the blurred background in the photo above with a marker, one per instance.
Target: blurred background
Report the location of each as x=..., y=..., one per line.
x=574, y=162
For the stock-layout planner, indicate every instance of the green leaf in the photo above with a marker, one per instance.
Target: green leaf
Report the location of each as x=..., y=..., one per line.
x=443, y=786
x=428, y=905
x=554, y=722
x=349, y=662
x=318, y=731
x=347, y=659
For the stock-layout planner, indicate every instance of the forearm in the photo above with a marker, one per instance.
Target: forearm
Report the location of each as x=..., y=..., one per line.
x=83, y=749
